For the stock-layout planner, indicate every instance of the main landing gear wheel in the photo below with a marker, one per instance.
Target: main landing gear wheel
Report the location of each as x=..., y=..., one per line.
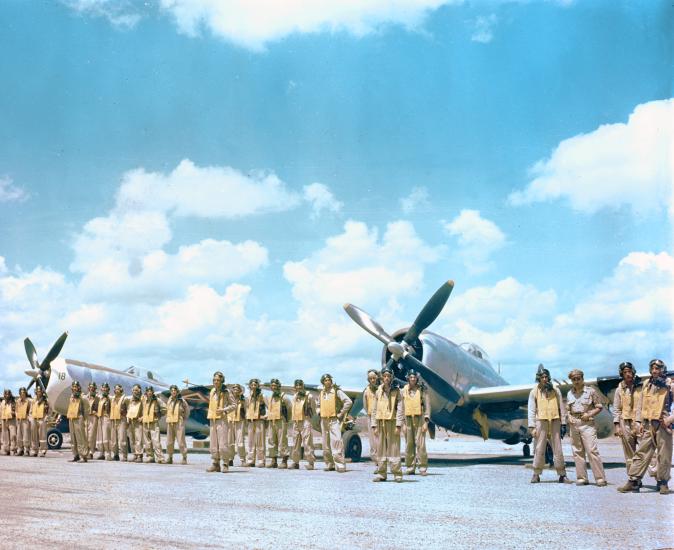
x=54, y=439
x=353, y=446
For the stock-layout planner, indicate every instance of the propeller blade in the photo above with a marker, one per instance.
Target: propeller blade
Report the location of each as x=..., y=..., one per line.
x=32, y=373
x=437, y=382
x=367, y=323
x=41, y=383
x=31, y=353
x=430, y=312
x=54, y=351
x=31, y=383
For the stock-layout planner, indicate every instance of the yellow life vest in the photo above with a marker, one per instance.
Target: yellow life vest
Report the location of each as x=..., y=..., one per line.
x=653, y=402
x=74, y=408
x=412, y=402
x=216, y=402
x=7, y=413
x=298, y=407
x=116, y=408
x=133, y=409
x=37, y=411
x=328, y=403
x=235, y=415
x=253, y=410
x=368, y=396
x=547, y=405
x=386, y=404
x=628, y=401
x=22, y=409
x=274, y=412
x=173, y=409
x=149, y=410
x=103, y=409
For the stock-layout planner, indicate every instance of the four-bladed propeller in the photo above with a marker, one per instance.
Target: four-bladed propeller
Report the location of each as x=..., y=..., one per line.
x=403, y=352
x=42, y=370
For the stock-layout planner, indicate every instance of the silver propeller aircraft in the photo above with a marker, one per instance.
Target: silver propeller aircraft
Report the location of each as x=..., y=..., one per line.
x=466, y=394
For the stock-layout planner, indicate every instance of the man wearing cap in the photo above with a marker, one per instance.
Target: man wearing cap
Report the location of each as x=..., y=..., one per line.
x=8, y=416
x=625, y=401
x=118, y=424
x=219, y=404
x=583, y=404
x=237, y=426
x=255, y=413
x=78, y=411
x=334, y=405
x=39, y=415
x=654, y=421
x=23, y=404
x=104, y=423
x=547, y=423
x=303, y=409
x=278, y=406
x=417, y=412
x=388, y=412
x=92, y=419
x=152, y=412
x=177, y=413
x=368, y=407
x=134, y=420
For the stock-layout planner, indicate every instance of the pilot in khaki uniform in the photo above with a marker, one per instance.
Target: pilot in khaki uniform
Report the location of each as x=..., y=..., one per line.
x=583, y=404
x=654, y=424
x=625, y=401
x=22, y=412
x=547, y=423
x=219, y=404
x=7, y=413
x=152, y=412
x=104, y=423
x=78, y=411
x=303, y=408
x=118, y=424
x=334, y=405
x=255, y=413
x=278, y=406
x=237, y=426
x=39, y=415
x=134, y=422
x=368, y=407
x=388, y=412
x=92, y=420
x=417, y=410
x=177, y=413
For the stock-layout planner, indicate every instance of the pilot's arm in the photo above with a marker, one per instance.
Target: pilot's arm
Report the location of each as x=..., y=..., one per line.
x=346, y=404
x=617, y=411
x=400, y=413
x=531, y=412
x=229, y=404
x=373, y=419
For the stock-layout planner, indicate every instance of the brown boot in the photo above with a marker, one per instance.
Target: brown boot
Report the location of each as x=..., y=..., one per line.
x=215, y=467
x=273, y=463
x=295, y=466
x=184, y=461
x=76, y=458
x=169, y=460
x=284, y=463
x=629, y=487
x=535, y=478
x=664, y=488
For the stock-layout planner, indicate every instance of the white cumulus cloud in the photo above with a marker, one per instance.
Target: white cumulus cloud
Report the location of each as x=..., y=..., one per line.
x=478, y=239
x=483, y=28
x=10, y=192
x=418, y=199
x=617, y=165
x=321, y=198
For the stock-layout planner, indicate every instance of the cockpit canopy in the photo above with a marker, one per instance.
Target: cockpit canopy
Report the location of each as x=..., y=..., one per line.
x=140, y=373
x=475, y=351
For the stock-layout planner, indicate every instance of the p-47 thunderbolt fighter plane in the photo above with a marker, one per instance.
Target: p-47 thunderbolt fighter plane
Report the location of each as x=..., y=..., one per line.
x=466, y=394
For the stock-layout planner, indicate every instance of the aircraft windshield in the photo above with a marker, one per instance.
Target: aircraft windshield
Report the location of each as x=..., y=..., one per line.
x=475, y=350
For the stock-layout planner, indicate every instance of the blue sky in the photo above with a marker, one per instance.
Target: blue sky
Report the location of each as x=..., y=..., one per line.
x=194, y=185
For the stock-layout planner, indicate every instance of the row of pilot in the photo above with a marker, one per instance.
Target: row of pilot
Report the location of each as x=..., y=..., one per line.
x=643, y=416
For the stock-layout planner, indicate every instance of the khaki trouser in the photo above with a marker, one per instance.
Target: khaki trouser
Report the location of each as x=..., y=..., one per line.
x=277, y=432
x=584, y=442
x=655, y=437
x=104, y=429
x=23, y=435
x=92, y=432
x=415, y=443
x=78, y=437
x=9, y=436
x=236, y=440
x=303, y=437
x=118, y=444
x=255, y=442
x=628, y=440
x=134, y=430
x=389, y=448
x=219, y=445
x=152, y=437
x=38, y=434
x=541, y=441
x=373, y=440
x=333, y=446
x=176, y=431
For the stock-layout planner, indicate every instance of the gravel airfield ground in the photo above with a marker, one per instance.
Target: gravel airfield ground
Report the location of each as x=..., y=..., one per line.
x=477, y=495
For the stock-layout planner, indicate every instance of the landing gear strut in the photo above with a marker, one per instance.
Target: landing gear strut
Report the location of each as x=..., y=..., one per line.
x=526, y=451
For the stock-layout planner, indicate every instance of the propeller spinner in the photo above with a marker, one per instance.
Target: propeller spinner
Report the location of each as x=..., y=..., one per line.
x=403, y=352
x=41, y=371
